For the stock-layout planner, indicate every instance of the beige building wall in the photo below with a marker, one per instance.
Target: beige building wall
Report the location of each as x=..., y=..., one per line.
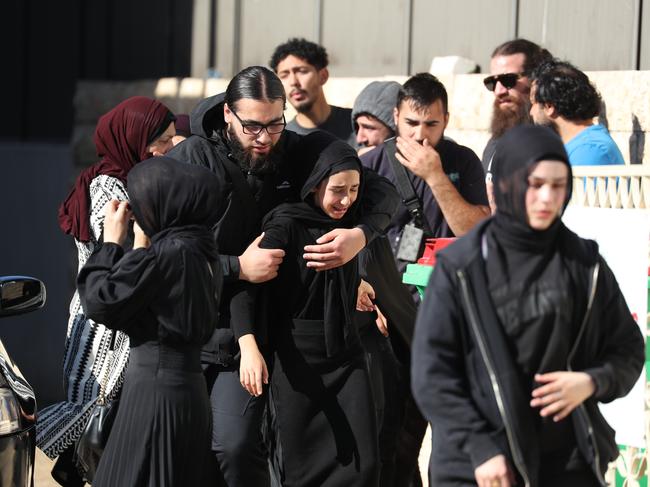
x=366, y=37
x=626, y=96
x=401, y=37
x=592, y=34
x=467, y=28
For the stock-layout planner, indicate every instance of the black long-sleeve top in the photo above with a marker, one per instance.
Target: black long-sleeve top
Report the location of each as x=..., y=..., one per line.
x=170, y=298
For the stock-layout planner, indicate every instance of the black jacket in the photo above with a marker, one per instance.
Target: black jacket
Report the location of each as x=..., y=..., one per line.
x=241, y=223
x=467, y=384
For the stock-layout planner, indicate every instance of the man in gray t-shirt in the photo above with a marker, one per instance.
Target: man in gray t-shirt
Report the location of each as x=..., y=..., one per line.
x=301, y=65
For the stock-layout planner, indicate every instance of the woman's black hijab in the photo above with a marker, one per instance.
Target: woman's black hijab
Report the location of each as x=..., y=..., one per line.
x=332, y=156
x=518, y=253
x=176, y=205
x=518, y=151
x=531, y=283
x=172, y=199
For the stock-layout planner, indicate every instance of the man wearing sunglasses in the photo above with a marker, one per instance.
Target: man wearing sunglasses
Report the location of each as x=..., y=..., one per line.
x=510, y=67
x=240, y=136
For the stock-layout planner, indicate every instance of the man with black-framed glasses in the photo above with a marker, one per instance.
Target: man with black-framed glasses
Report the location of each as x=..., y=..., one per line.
x=255, y=128
x=511, y=64
x=240, y=136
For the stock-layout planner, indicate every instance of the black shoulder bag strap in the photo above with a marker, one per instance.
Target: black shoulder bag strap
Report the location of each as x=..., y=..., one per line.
x=405, y=188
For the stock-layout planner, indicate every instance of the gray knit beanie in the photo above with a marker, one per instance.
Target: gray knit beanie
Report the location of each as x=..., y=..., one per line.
x=377, y=99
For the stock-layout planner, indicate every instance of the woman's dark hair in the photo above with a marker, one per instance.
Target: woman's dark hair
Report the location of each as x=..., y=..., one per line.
x=255, y=83
x=169, y=118
x=534, y=54
x=422, y=90
x=567, y=89
x=302, y=48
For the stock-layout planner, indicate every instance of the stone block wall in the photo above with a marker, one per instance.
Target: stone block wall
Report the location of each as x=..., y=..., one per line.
x=626, y=97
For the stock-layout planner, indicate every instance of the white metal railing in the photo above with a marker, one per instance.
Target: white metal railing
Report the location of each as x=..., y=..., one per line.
x=625, y=187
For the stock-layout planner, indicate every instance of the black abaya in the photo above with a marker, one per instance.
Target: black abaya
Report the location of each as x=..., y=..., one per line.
x=320, y=385
x=165, y=297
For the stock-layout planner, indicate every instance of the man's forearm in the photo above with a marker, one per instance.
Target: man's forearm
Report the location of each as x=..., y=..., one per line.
x=460, y=215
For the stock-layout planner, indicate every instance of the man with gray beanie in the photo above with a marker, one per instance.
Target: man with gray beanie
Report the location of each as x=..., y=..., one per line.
x=442, y=188
x=372, y=114
x=445, y=180
x=373, y=122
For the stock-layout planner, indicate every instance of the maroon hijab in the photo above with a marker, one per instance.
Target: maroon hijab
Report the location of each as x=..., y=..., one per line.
x=121, y=138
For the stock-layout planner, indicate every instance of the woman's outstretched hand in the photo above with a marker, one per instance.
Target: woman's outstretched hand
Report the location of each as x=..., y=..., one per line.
x=116, y=221
x=561, y=392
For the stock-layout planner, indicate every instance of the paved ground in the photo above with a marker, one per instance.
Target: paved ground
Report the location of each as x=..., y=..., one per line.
x=44, y=465
x=424, y=457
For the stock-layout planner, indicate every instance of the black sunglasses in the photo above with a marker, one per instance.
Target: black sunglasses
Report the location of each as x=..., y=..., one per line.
x=255, y=128
x=508, y=80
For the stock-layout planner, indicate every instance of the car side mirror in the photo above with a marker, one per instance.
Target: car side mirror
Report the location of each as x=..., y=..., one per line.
x=19, y=294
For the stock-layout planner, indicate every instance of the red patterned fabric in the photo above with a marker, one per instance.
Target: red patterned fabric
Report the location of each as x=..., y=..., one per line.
x=121, y=138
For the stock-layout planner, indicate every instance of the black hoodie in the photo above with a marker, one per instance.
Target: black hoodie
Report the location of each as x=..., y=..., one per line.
x=241, y=223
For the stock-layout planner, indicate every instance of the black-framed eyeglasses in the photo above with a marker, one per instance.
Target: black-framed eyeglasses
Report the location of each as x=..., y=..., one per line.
x=256, y=128
x=508, y=80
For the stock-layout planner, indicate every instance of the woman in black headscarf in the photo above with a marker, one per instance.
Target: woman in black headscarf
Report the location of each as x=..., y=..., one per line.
x=164, y=295
x=522, y=332
x=320, y=385
x=134, y=130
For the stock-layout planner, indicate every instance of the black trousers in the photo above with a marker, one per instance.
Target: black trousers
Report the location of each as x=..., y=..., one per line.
x=387, y=393
x=581, y=478
x=237, y=443
x=409, y=442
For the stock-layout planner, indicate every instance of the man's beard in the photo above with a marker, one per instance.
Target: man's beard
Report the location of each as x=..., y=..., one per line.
x=503, y=120
x=551, y=124
x=305, y=106
x=247, y=160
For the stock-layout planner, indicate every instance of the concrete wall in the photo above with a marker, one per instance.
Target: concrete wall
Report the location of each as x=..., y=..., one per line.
x=626, y=96
x=50, y=45
x=34, y=182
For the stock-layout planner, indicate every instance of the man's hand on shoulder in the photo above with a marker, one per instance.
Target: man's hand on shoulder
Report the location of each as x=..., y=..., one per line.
x=259, y=265
x=335, y=248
